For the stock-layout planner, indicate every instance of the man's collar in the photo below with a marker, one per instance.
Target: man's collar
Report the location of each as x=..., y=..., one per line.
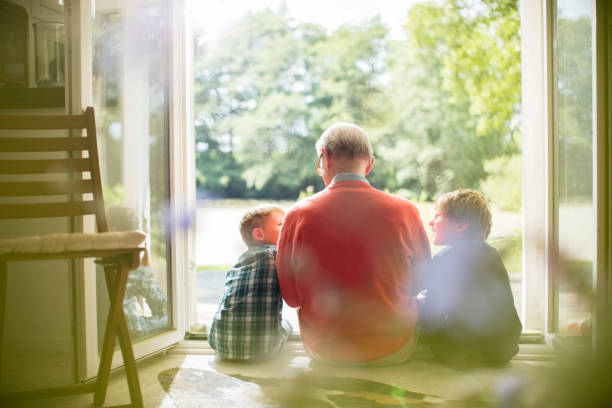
x=349, y=176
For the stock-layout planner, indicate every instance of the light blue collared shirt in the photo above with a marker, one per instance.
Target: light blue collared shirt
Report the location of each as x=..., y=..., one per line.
x=349, y=176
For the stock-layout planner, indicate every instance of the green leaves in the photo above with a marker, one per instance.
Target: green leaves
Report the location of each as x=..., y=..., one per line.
x=438, y=103
x=456, y=91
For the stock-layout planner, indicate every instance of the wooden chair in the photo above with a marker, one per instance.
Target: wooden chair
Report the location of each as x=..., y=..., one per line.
x=117, y=252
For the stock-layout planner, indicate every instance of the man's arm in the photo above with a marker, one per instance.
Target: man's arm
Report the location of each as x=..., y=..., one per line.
x=422, y=255
x=286, y=261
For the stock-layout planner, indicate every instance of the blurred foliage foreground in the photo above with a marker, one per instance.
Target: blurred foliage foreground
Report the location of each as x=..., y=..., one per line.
x=441, y=101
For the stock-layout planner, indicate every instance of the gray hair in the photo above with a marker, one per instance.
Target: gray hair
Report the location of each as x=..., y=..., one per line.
x=345, y=139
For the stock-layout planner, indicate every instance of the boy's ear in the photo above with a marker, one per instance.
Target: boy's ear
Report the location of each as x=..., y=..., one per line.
x=462, y=226
x=257, y=234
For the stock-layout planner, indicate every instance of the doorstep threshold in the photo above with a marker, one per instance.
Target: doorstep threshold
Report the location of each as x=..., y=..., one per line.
x=528, y=351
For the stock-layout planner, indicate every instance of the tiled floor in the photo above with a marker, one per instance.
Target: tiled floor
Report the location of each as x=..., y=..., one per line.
x=177, y=380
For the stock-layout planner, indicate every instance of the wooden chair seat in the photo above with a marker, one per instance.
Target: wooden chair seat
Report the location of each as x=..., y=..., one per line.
x=75, y=158
x=52, y=245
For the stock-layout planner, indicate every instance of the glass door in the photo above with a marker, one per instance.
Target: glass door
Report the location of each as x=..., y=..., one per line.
x=575, y=216
x=128, y=49
x=130, y=73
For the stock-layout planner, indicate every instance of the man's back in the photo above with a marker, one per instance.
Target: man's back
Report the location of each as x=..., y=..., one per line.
x=346, y=257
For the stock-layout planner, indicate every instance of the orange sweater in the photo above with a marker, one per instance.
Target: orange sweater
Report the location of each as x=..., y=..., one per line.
x=346, y=258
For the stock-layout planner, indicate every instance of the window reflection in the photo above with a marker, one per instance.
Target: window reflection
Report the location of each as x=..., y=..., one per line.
x=130, y=93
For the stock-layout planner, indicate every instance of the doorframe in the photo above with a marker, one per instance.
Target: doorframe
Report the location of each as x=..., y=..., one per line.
x=536, y=111
x=602, y=152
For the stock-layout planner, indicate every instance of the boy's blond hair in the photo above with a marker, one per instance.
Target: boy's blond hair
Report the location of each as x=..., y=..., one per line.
x=254, y=218
x=469, y=206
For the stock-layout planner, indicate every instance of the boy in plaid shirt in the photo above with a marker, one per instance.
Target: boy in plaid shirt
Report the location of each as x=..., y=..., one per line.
x=248, y=323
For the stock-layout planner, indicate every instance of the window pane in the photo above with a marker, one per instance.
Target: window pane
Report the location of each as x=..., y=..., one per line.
x=573, y=149
x=130, y=93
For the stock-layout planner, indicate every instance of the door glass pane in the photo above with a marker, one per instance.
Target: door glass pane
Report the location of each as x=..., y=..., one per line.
x=130, y=92
x=573, y=150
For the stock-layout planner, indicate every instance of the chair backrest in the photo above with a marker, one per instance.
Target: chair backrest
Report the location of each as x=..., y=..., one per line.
x=63, y=197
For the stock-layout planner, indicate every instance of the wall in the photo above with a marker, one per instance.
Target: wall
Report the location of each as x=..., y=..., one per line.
x=38, y=328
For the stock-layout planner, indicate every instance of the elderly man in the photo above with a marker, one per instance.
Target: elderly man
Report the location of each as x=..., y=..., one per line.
x=346, y=258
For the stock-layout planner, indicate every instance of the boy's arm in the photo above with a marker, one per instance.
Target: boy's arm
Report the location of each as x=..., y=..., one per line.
x=286, y=262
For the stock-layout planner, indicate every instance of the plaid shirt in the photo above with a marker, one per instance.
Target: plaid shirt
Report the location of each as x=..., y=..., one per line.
x=248, y=321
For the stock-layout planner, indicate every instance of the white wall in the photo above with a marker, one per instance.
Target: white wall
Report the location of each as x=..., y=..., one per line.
x=39, y=311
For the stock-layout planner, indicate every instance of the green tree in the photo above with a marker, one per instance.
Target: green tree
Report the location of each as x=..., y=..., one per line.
x=268, y=90
x=438, y=104
x=446, y=122
x=574, y=108
x=503, y=183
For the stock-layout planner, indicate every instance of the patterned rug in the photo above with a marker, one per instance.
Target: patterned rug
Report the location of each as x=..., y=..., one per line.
x=189, y=387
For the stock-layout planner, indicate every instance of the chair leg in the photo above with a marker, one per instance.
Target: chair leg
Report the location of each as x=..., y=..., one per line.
x=3, y=278
x=108, y=343
x=116, y=281
x=128, y=355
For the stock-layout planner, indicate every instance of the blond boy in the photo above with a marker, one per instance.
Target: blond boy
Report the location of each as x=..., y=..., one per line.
x=468, y=315
x=248, y=322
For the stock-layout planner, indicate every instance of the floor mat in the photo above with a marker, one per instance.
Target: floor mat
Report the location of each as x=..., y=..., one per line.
x=189, y=387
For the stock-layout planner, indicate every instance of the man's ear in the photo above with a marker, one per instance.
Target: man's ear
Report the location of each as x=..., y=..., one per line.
x=370, y=165
x=328, y=159
x=257, y=234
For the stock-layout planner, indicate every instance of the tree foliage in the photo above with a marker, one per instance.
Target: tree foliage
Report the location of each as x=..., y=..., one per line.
x=574, y=108
x=437, y=104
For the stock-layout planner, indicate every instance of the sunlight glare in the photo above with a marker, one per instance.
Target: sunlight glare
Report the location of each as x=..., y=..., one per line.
x=213, y=16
